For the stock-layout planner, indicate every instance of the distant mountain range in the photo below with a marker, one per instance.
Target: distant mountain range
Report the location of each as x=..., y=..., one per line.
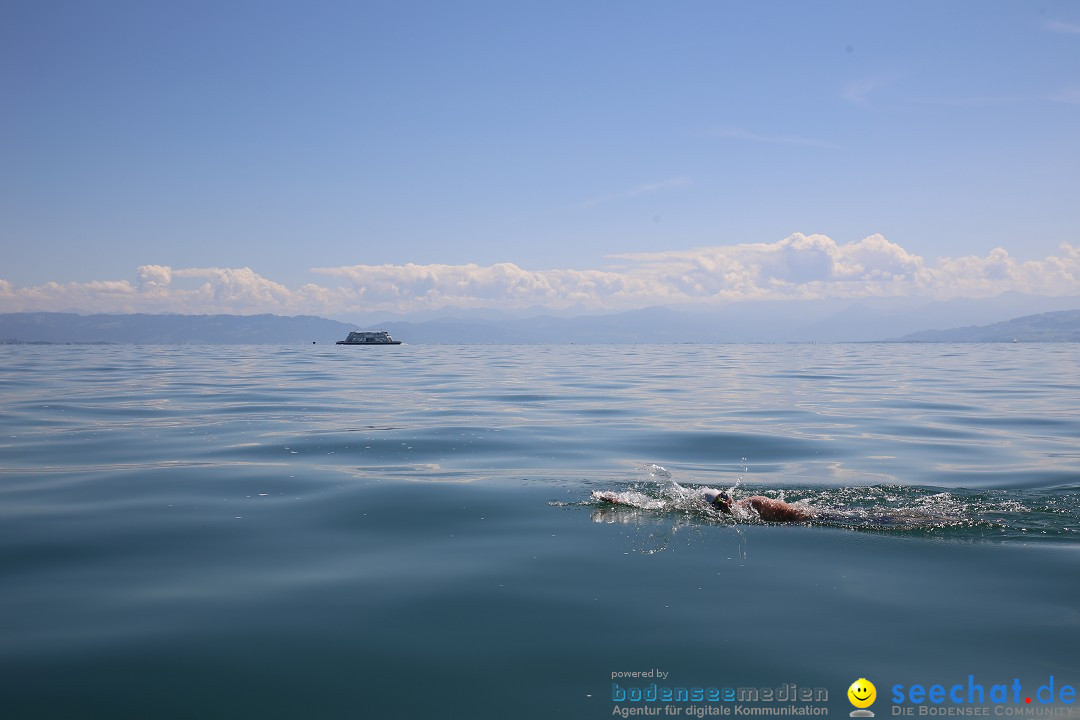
x=825, y=320
x=1063, y=326
x=170, y=329
x=820, y=321
x=659, y=325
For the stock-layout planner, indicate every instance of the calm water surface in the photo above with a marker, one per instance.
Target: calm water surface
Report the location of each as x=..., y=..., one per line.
x=348, y=532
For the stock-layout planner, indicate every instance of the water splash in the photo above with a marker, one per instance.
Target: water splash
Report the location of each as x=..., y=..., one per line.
x=656, y=472
x=1048, y=514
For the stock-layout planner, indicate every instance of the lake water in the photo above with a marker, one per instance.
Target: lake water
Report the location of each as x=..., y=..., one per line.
x=407, y=532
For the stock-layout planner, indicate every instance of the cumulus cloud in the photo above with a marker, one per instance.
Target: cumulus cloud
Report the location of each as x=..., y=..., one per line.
x=154, y=278
x=421, y=287
x=796, y=267
x=241, y=288
x=159, y=288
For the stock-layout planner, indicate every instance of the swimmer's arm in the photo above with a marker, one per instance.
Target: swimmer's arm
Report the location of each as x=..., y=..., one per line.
x=777, y=510
x=608, y=496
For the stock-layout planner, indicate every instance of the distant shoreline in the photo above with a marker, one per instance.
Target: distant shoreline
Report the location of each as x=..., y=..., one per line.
x=653, y=326
x=62, y=342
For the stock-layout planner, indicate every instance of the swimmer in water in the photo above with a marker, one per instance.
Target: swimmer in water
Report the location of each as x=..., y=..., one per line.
x=767, y=509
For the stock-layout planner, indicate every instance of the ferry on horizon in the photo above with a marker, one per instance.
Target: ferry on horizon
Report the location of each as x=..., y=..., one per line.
x=378, y=337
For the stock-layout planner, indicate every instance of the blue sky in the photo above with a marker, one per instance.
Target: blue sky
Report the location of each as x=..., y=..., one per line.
x=245, y=151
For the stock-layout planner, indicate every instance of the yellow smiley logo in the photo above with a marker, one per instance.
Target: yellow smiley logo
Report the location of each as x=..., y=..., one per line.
x=862, y=693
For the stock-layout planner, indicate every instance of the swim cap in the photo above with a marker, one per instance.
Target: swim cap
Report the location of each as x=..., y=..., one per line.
x=713, y=495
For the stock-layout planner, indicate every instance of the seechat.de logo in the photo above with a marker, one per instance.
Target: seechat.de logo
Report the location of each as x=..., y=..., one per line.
x=862, y=695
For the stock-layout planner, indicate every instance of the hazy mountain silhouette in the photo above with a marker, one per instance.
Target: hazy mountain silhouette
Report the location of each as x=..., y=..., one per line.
x=170, y=329
x=1062, y=326
x=831, y=320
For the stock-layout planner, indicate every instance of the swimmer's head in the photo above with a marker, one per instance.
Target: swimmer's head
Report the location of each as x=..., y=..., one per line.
x=722, y=502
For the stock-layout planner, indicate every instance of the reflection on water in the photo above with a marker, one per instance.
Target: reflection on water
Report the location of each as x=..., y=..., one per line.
x=989, y=416
x=655, y=533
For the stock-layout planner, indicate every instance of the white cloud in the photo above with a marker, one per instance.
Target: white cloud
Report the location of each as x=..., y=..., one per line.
x=797, y=267
x=242, y=288
x=154, y=278
x=159, y=288
x=422, y=287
